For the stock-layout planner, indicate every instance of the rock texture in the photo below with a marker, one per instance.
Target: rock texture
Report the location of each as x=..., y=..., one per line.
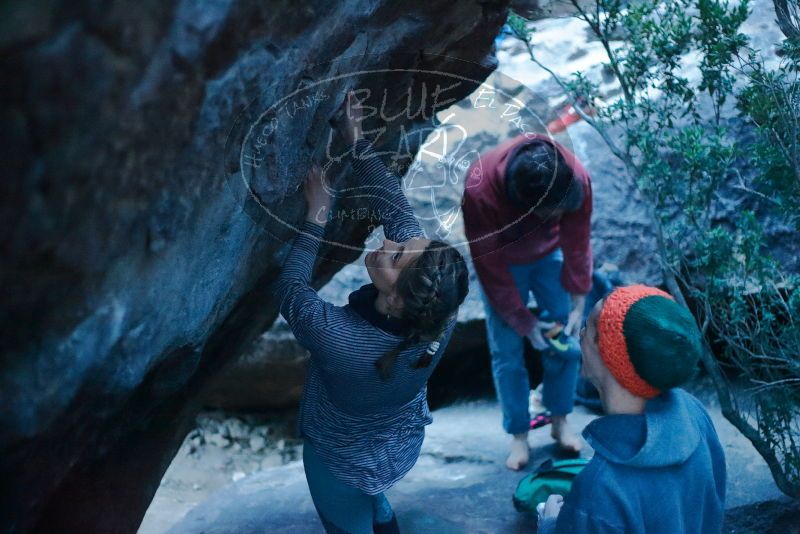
x=134, y=263
x=268, y=374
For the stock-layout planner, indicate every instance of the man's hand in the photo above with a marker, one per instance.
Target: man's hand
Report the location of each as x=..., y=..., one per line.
x=576, y=315
x=553, y=506
x=537, y=337
x=350, y=126
x=317, y=196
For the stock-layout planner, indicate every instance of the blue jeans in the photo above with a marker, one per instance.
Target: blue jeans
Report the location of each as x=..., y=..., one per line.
x=543, y=279
x=343, y=509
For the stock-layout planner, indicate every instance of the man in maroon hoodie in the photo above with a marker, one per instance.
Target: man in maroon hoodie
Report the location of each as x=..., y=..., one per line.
x=527, y=208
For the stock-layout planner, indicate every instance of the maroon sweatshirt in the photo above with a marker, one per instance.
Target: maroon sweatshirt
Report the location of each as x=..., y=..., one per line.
x=501, y=234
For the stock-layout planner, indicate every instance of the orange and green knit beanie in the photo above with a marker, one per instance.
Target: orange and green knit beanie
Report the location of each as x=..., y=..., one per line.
x=649, y=342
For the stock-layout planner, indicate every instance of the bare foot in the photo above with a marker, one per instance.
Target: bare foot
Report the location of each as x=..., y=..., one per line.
x=518, y=458
x=567, y=440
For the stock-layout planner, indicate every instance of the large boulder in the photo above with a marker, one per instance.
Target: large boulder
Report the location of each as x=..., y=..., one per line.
x=139, y=241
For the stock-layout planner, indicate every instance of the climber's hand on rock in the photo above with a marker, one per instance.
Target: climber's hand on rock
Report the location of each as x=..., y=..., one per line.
x=350, y=126
x=317, y=195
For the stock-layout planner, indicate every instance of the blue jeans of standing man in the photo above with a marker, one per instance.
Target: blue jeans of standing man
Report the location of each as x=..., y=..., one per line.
x=543, y=279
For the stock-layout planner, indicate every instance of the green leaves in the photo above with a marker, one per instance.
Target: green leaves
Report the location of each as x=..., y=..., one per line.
x=519, y=25
x=719, y=42
x=771, y=102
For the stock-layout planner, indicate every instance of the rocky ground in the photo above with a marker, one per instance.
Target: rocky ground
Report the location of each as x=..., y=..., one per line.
x=221, y=449
x=243, y=474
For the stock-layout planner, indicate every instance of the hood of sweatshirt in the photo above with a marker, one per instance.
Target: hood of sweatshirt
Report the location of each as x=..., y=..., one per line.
x=666, y=434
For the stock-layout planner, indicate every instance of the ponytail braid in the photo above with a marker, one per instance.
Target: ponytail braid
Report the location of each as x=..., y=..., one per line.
x=432, y=288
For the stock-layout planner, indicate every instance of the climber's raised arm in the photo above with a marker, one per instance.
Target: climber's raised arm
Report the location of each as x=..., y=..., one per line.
x=382, y=187
x=300, y=304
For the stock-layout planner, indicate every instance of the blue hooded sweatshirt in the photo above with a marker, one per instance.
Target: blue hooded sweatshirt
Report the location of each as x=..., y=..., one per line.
x=660, y=472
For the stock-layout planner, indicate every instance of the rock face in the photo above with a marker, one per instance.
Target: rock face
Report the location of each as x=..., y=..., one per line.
x=269, y=374
x=143, y=220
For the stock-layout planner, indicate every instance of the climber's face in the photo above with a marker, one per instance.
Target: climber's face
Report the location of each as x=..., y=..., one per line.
x=385, y=264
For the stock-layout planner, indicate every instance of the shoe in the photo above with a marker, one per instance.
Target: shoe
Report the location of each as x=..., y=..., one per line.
x=540, y=420
x=561, y=344
x=390, y=527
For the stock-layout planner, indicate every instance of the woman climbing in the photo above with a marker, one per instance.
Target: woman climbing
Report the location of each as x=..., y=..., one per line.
x=364, y=406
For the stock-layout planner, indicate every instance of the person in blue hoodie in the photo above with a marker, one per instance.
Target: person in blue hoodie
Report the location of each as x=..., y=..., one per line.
x=658, y=465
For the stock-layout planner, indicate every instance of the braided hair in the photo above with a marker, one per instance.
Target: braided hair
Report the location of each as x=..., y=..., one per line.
x=432, y=288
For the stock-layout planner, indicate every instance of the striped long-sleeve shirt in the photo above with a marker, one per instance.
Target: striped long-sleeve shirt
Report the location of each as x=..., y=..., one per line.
x=368, y=430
